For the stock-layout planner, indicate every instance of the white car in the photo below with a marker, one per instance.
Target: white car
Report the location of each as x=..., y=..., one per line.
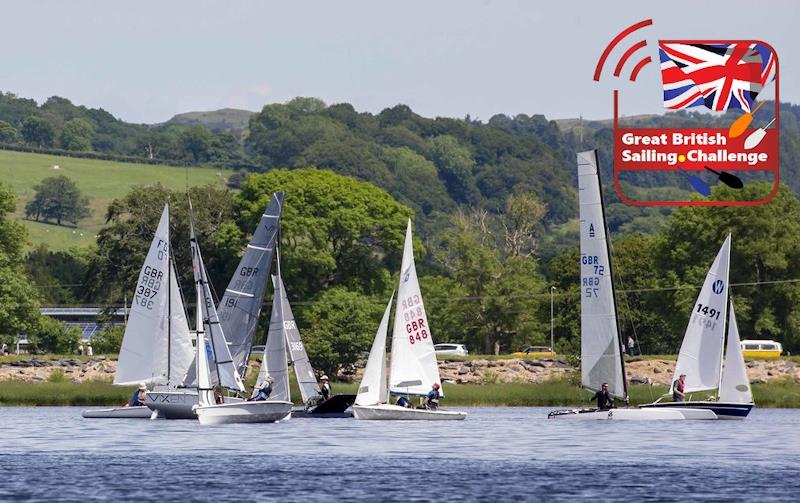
x=451, y=349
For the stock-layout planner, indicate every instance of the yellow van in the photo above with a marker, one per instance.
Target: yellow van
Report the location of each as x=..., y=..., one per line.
x=761, y=350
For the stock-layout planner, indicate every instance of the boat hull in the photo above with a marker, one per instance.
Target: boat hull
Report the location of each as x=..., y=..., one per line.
x=723, y=410
x=627, y=414
x=179, y=404
x=243, y=412
x=396, y=413
x=337, y=407
x=140, y=412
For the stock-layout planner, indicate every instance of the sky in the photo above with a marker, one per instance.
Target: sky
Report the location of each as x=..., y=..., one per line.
x=146, y=61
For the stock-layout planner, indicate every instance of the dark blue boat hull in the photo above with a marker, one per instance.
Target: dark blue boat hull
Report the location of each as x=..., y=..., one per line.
x=723, y=410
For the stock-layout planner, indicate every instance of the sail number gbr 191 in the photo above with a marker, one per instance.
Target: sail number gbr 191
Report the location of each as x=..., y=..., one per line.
x=414, y=318
x=591, y=282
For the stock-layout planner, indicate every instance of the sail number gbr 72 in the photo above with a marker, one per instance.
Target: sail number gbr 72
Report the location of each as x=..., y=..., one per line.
x=591, y=284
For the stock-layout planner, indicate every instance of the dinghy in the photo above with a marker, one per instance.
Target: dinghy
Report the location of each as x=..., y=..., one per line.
x=209, y=329
x=701, y=355
x=238, y=312
x=601, y=342
x=156, y=347
x=414, y=368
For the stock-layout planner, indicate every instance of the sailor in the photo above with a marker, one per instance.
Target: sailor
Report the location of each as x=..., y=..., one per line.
x=263, y=391
x=403, y=402
x=139, y=396
x=604, y=399
x=433, y=397
x=325, y=387
x=678, y=388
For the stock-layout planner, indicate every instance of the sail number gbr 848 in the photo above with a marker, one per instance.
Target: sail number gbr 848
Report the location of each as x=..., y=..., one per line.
x=591, y=282
x=414, y=316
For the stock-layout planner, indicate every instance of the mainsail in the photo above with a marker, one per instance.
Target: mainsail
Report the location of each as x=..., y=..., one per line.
x=601, y=356
x=226, y=372
x=735, y=385
x=306, y=380
x=414, y=369
x=240, y=306
x=700, y=357
x=156, y=347
x=273, y=362
x=373, y=390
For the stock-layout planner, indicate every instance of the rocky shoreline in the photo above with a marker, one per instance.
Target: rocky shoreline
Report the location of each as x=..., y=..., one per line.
x=658, y=372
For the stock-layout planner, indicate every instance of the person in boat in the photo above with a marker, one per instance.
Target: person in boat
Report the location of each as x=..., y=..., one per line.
x=139, y=396
x=325, y=387
x=604, y=399
x=433, y=397
x=403, y=402
x=262, y=392
x=678, y=388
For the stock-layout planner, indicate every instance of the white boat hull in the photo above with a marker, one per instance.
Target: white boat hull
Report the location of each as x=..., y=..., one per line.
x=140, y=412
x=386, y=411
x=243, y=412
x=672, y=414
x=178, y=404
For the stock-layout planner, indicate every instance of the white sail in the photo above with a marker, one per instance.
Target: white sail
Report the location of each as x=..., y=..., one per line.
x=372, y=389
x=274, y=362
x=414, y=369
x=735, y=385
x=306, y=379
x=143, y=355
x=700, y=357
x=601, y=358
x=204, y=389
x=181, y=352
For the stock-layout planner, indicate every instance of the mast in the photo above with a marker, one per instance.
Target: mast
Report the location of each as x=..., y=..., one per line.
x=169, y=303
x=725, y=336
x=611, y=277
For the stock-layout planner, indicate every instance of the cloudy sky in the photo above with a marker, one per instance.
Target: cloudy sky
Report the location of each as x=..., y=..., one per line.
x=146, y=61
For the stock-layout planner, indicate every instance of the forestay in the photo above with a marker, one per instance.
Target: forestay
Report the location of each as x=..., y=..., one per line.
x=414, y=369
x=373, y=389
x=735, y=385
x=306, y=380
x=273, y=362
x=700, y=357
x=601, y=359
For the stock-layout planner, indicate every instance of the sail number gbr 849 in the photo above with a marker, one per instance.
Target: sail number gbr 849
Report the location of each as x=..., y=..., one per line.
x=591, y=281
x=414, y=317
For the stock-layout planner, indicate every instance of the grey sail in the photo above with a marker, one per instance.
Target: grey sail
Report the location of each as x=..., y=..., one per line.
x=306, y=379
x=240, y=306
x=273, y=363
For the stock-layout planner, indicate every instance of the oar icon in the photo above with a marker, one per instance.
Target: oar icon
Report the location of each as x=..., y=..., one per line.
x=728, y=179
x=698, y=184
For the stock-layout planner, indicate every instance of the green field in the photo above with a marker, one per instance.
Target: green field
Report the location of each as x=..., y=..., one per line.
x=101, y=181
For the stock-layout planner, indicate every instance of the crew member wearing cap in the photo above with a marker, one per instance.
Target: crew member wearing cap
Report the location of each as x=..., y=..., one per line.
x=678, y=388
x=262, y=392
x=433, y=397
x=325, y=387
x=139, y=396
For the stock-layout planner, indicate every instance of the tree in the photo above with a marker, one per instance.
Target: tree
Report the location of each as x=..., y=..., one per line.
x=109, y=340
x=58, y=198
x=455, y=164
x=338, y=328
x=77, y=135
x=38, y=131
x=8, y=133
x=195, y=143
x=335, y=230
x=53, y=336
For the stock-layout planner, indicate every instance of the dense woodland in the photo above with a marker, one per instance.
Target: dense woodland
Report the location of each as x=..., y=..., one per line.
x=493, y=203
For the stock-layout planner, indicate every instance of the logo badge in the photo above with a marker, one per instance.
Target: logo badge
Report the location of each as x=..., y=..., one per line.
x=718, y=286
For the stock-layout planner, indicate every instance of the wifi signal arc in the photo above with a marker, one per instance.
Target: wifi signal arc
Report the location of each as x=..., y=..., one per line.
x=613, y=44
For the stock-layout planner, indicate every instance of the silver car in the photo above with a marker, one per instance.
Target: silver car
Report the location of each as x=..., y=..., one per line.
x=450, y=349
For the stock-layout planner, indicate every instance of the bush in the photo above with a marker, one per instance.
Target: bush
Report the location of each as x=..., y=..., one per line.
x=53, y=336
x=108, y=341
x=57, y=375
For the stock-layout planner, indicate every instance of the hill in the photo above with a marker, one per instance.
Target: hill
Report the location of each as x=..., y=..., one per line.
x=101, y=181
x=225, y=119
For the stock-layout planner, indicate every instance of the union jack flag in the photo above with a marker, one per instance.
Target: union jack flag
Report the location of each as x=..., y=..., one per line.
x=718, y=76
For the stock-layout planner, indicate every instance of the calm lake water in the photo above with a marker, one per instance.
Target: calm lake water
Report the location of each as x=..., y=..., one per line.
x=497, y=454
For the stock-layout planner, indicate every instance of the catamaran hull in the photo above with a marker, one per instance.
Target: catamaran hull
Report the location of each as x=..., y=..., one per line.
x=177, y=404
x=141, y=412
x=672, y=414
x=244, y=412
x=723, y=410
x=397, y=413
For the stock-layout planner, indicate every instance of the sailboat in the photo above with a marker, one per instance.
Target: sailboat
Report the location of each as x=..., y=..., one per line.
x=701, y=355
x=238, y=313
x=413, y=369
x=209, y=329
x=303, y=371
x=156, y=347
x=601, y=342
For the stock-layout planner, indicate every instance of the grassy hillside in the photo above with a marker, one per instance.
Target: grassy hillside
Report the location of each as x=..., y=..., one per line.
x=225, y=119
x=101, y=181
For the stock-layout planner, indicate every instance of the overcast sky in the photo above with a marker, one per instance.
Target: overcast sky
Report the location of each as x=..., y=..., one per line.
x=146, y=61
